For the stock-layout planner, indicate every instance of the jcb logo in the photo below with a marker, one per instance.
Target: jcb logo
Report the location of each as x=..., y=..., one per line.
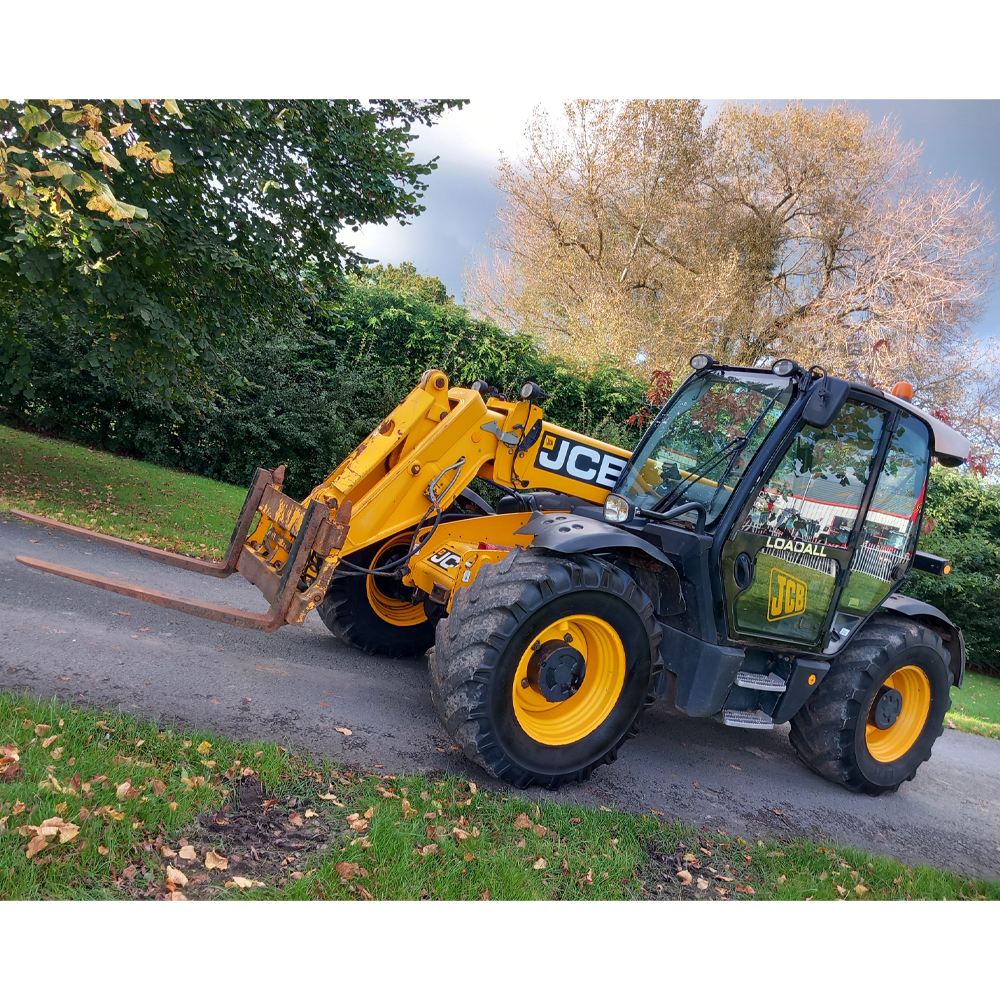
x=579, y=461
x=787, y=597
x=446, y=559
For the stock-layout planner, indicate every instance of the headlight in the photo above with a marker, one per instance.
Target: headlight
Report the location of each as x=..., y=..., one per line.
x=700, y=361
x=617, y=509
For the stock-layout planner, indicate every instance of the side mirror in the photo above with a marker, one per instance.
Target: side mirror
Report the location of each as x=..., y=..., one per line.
x=825, y=399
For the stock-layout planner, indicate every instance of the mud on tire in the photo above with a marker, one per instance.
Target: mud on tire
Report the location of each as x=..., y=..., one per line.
x=479, y=646
x=831, y=732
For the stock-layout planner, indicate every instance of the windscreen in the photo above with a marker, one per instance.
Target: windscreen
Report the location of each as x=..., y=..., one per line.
x=703, y=440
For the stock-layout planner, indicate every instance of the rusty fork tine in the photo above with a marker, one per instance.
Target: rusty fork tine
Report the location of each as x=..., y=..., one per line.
x=203, y=609
x=210, y=567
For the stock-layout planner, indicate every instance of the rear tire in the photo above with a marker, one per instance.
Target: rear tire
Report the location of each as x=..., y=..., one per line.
x=484, y=655
x=874, y=719
x=374, y=613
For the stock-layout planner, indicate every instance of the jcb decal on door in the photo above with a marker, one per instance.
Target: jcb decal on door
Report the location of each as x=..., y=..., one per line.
x=579, y=461
x=787, y=596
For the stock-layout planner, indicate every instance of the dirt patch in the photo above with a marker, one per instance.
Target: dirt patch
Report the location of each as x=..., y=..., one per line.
x=683, y=871
x=256, y=839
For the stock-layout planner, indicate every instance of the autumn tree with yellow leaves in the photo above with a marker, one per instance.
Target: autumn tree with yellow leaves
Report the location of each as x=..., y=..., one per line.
x=636, y=230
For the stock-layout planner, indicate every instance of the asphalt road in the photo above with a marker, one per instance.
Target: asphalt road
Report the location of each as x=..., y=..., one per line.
x=61, y=638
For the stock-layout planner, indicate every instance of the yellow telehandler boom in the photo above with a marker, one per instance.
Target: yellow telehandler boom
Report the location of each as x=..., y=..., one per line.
x=397, y=484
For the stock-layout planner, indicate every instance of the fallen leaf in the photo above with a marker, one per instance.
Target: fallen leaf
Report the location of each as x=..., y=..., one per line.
x=347, y=869
x=861, y=888
x=330, y=797
x=369, y=812
x=176, y=896
x=702, y=883
x=685, y=876
x=123, y=789
x=166, y=852
x=538, y=830
x=782, y=878
x=522, y=822
x=539, y=864
x=176, y=876
x=425, y=795
x=460, y=834
x=344, y=730
x=103, y=851
x=35, y=845
x=203, y=747
x=724, y=878
x=748, y=889
x=951, y=725
x=473, y=788
x=158, y=786
x=41, y=729
x=408, y=811
x=188, y=853
x=310, y=814
x=213, y=860
x=238, y=882
x=49, y=740
x=295, y=819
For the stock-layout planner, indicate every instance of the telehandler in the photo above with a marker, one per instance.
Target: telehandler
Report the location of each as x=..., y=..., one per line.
x=742, y=562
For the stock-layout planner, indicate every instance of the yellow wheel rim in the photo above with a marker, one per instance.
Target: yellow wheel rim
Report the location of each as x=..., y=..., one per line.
x=887, y=745
x=562, y=722
x=392, y=609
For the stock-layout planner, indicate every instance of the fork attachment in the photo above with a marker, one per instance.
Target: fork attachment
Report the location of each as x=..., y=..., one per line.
x=290, y=557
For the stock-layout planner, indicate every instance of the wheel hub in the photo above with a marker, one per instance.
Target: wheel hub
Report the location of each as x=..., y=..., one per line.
x=887, y=707
x=556, y=670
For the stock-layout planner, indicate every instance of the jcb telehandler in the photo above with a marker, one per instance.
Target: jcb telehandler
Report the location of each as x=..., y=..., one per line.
x=742, y=562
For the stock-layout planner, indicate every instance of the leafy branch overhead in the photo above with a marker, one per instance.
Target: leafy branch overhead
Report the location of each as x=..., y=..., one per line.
x=154, y=235
x=66, y=151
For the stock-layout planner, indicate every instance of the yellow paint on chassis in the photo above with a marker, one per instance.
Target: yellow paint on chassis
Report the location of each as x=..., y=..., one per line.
x=562, y=722
x=462, y=538
x=887, y=745
x=392, y=609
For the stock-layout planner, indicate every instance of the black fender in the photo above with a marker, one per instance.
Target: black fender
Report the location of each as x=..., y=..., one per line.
x=930, y=616
x=573, y=533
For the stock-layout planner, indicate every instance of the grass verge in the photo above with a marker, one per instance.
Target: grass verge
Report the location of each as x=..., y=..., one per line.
x=101, y=805
x=976, y=707
x=116, y=496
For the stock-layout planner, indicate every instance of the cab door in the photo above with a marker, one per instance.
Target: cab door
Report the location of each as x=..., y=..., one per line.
x=789, y=553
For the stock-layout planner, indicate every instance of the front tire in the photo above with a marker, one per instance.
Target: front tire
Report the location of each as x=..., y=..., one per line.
x=543, y=666
x=376, y=613
x=875, y=718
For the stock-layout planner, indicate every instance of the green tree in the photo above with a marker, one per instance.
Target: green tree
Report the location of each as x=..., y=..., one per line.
x=153, y=235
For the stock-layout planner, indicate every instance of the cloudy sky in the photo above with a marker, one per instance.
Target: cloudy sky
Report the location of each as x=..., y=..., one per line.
x=959, y=137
